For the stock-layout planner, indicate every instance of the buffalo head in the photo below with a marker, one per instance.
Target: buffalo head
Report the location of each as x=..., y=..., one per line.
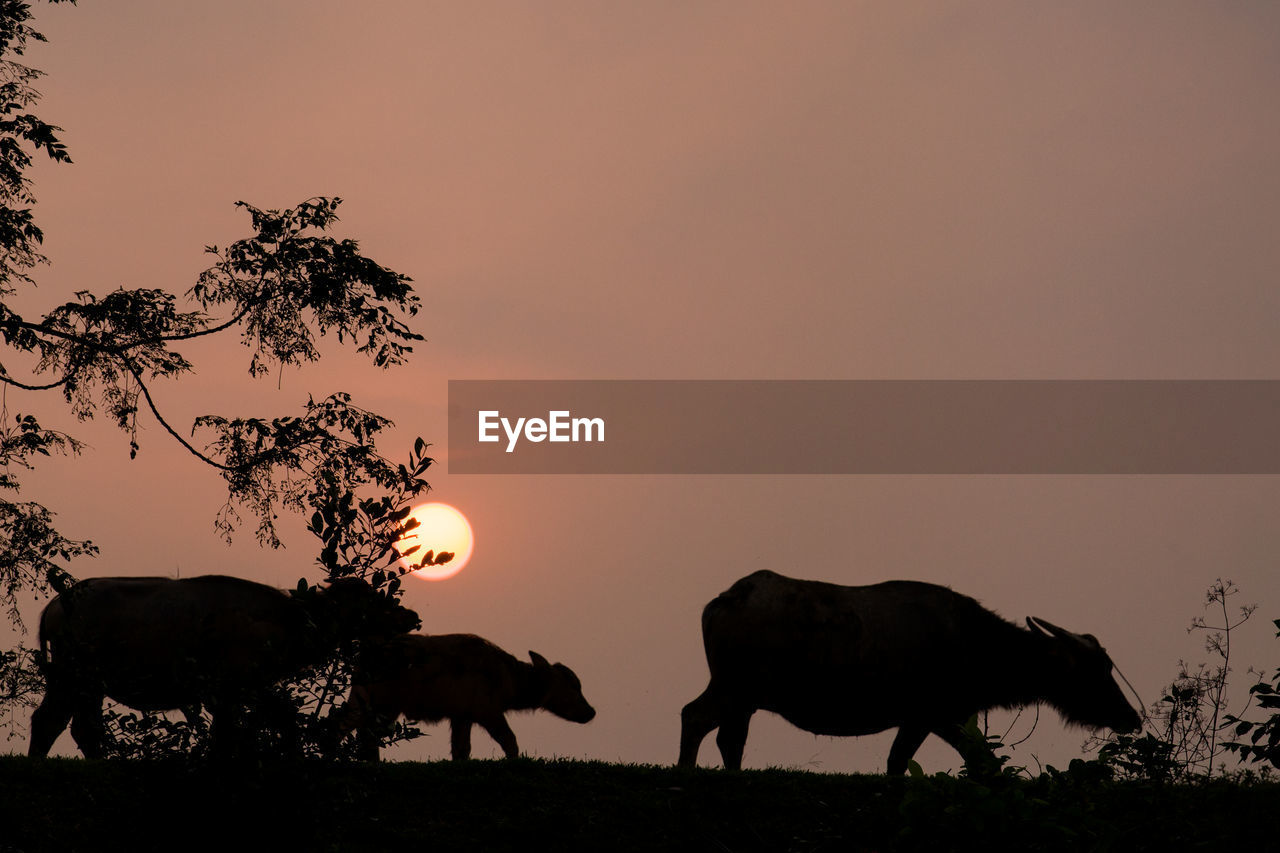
x=1083, y=687
x=561, y=690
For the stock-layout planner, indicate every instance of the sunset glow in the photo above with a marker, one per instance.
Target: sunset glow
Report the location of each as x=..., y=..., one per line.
x=440, y=528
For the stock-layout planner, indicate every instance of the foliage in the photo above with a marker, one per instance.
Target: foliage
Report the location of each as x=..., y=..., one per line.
x=156, y=736
x=21, y=135
x=20, y=683
x=1181, y=739
x=1264, y=742
x=286, y=284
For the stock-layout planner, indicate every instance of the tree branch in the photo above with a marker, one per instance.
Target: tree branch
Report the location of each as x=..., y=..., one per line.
x=72, y=337
x=8, y=380
x=146, y=393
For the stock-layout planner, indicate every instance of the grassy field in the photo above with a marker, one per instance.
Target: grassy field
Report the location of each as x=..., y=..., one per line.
x=72, y=805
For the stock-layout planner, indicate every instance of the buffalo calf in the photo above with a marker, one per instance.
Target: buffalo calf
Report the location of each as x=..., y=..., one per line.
x=459, y=677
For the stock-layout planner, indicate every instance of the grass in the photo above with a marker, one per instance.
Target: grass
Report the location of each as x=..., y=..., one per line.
x=73, y=805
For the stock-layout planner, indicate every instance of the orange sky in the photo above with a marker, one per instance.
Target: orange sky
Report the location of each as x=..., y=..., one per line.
x=711, y=190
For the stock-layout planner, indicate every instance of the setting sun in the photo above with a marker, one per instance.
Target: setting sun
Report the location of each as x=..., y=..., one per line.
x=440, y=528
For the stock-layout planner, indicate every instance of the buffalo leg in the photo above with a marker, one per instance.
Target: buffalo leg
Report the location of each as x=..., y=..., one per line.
x=351, y=716
x=86, y=727
x=47, y=723
x=904, y=746
x=279, y=716
x=368, y=728
x=460, y=738
x=228, y=738
x=367, y=745
x=500, y=731
x=954, y=736
x=358, y=714
x=732, y=737
x=697, y=719
x=979, y=758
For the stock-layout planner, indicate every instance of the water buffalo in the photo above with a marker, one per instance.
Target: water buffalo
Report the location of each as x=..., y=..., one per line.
x=158, y=644
x=460, y=677
x=854, y=660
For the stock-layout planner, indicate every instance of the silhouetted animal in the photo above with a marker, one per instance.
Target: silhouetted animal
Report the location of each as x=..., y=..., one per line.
x=460, y=677
x=854, y=660
x=156, y=644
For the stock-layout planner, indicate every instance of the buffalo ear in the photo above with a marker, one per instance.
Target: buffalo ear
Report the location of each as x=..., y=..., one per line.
x=538, y=660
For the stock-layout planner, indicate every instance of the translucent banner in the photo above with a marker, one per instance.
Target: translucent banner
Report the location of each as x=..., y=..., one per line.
x=864, y=427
